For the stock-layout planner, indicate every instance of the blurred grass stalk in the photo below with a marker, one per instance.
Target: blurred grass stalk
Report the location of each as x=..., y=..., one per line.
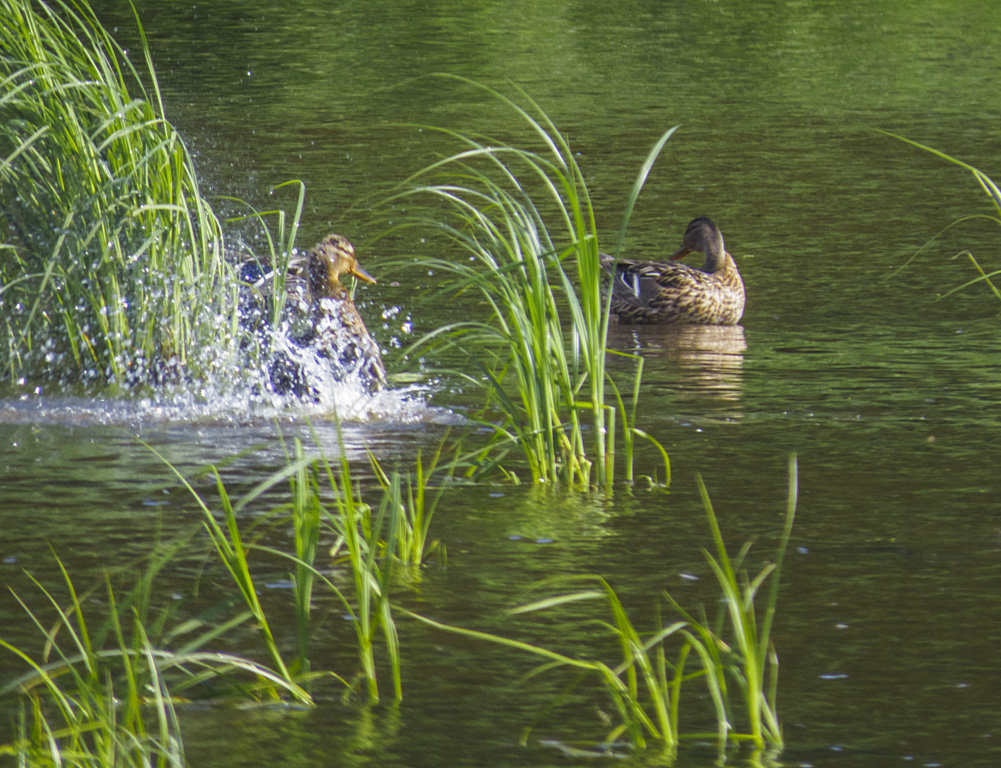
x=993, y=193
x=542, y=355
x=113, y=260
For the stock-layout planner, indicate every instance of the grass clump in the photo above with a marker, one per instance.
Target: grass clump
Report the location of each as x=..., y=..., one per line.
x=112, y=267
x=407, y=495
x=102, y=691
x=105, y=687
x=324, y=501
x=526, y=223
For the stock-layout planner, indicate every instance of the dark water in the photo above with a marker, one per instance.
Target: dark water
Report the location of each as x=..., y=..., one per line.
x=890, y=615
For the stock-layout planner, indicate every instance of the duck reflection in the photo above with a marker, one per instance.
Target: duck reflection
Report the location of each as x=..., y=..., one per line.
x=708, y=359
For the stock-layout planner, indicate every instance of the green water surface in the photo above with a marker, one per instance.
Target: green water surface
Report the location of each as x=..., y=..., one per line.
x=889, y=618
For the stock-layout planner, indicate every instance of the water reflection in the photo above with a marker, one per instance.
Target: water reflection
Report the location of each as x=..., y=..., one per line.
x=708, y=359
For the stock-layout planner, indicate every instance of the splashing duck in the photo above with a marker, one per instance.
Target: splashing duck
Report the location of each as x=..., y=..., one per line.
x=669, y=292
x=324, y=321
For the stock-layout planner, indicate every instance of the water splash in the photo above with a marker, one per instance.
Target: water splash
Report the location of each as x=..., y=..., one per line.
x=237, y=387
x=236, y=406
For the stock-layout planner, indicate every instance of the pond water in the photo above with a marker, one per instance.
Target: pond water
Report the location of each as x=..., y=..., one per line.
x=889, y=618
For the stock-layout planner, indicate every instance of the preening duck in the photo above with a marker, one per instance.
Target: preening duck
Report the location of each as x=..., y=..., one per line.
x=670, y=292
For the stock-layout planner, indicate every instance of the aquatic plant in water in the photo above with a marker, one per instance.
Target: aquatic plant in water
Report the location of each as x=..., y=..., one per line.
x=363, y=544
x=113, y=267
x=733, y=655
x=103, y=689
x=541, y=354
x=993, y=193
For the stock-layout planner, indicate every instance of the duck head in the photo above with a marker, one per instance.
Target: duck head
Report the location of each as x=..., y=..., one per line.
x=329, y=259
x=703, y=236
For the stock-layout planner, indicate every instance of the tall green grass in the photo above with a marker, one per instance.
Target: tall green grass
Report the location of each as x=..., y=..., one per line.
x=407, y=495
x=324, y=501
x=113, y=265
x=521, y=232
x=105, y=685
x=990, y=188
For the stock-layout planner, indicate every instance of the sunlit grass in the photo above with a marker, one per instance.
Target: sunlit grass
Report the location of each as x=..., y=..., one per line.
x=407, y=493
x=324, y=500
x=114, y=266
x=749, y=657
x=102, y=692
x=279, y=230
x=520, y=231
x=105, y=687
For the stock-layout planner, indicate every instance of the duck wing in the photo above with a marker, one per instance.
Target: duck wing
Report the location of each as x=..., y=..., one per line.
x=665, y=292
x=340, y=336
x=642, y=284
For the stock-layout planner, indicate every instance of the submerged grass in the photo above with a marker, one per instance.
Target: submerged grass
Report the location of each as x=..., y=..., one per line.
x=542, y=353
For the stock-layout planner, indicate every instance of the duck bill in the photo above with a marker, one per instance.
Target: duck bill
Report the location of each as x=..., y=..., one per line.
x=361, y=274
x=679, y=254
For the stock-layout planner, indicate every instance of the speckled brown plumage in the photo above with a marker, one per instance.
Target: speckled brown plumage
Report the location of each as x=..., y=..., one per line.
x=668, y=292
x=320, y=321
x=336, y=330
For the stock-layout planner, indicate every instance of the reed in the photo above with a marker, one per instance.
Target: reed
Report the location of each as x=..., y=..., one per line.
x=359, y=543
x=279, y=230
x=111, y=245
x=747, y=655
x=407, y=495
x=323, y=501
x=102, y=692
x=525, y=221
x=646, y=684
x=990, y=188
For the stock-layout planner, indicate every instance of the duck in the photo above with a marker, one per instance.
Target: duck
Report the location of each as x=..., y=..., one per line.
x=337, y=331
x=321, y=322
x=650, y=292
